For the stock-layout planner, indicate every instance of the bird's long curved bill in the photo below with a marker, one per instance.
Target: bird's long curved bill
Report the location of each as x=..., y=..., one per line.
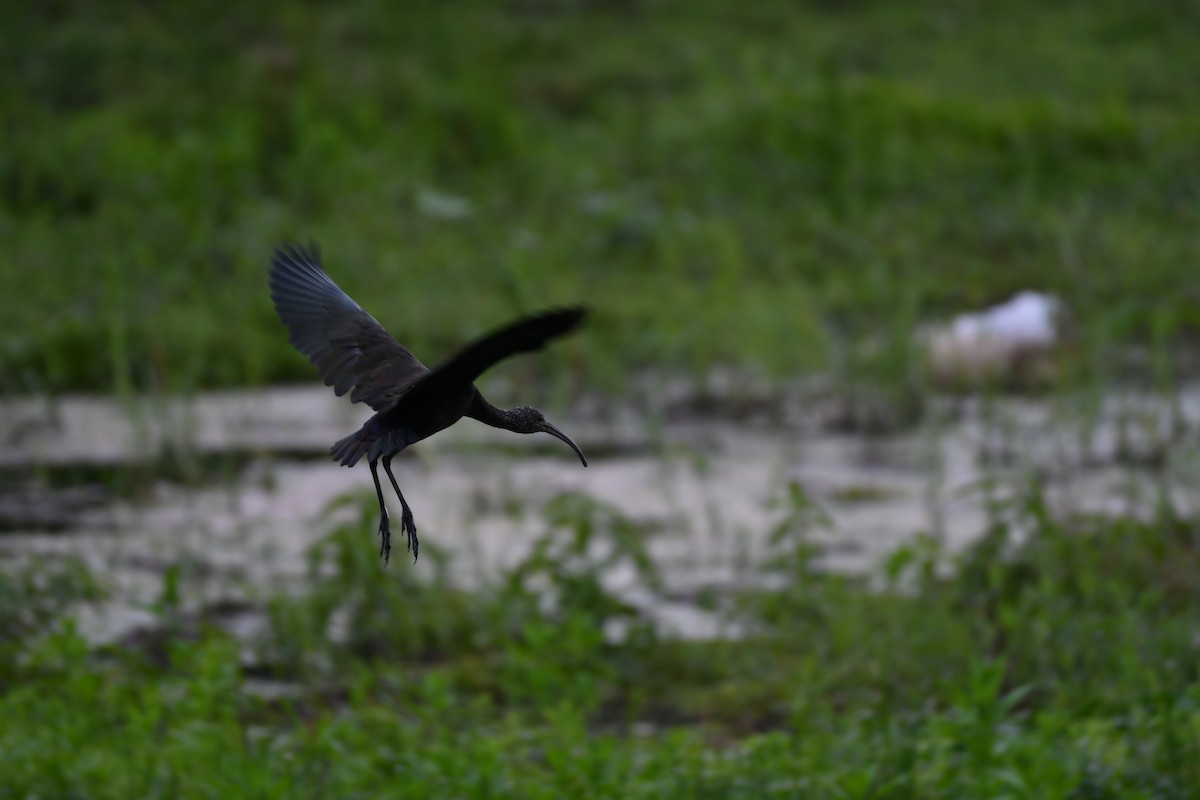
x=555, y=432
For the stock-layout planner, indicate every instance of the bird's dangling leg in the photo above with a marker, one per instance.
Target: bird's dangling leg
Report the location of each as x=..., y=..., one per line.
x=385, y=531
x=406, y=516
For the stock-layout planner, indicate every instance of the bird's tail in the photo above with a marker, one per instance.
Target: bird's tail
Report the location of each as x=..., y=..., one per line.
x=369, y=441
x=348, y=451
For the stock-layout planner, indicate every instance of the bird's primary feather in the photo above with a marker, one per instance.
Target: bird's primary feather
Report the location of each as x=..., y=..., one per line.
x=350, y=349
x=523, y=336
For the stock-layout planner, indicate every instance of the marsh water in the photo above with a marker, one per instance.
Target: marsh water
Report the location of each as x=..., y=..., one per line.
x=708, y=483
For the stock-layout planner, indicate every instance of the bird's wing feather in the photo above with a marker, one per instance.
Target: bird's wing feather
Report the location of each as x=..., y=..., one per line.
x=350, y=349
x=523, y=336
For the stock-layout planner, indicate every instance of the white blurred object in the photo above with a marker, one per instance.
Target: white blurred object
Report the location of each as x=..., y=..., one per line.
x=998, y=342
x=1026, y=320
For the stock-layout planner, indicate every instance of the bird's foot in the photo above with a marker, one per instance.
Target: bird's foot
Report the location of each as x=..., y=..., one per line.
x=385, y=538
x=410, y=527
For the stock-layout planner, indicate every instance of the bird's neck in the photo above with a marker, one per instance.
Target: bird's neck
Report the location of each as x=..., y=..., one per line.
x=488, y=414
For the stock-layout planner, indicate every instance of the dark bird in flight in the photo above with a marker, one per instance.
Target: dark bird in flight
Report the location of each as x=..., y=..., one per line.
x=353, y=353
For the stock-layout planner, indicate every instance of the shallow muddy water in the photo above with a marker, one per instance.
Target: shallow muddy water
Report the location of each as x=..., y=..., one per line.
x=707, y=490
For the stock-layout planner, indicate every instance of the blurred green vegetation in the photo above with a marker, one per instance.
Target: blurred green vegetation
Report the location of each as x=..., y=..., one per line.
x=756, y=184
x=1057, y=660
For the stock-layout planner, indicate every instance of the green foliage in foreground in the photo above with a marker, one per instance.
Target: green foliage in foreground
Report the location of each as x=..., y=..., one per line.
x=757, y=185
x=1063, y=667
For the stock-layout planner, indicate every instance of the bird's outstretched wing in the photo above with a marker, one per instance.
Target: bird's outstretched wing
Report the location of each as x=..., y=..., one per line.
x=350, y=349
x=523, y=336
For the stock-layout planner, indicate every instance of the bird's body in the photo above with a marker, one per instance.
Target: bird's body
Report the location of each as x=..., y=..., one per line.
x=388, y=432
x=353, y=353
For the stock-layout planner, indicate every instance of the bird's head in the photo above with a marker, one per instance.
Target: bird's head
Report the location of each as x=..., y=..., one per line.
x=529, y=420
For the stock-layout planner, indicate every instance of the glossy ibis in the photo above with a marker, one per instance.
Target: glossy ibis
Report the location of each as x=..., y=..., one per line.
x=353, y=353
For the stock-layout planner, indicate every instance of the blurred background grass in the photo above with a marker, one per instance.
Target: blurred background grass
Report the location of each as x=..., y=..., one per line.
x=758, y=185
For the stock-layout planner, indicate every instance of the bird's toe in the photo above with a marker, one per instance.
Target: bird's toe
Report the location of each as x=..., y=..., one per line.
x=385, y=539
x=410, y=528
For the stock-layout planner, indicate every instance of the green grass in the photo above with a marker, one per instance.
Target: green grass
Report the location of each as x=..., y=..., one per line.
x=752, y=186
x=1061, y=667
